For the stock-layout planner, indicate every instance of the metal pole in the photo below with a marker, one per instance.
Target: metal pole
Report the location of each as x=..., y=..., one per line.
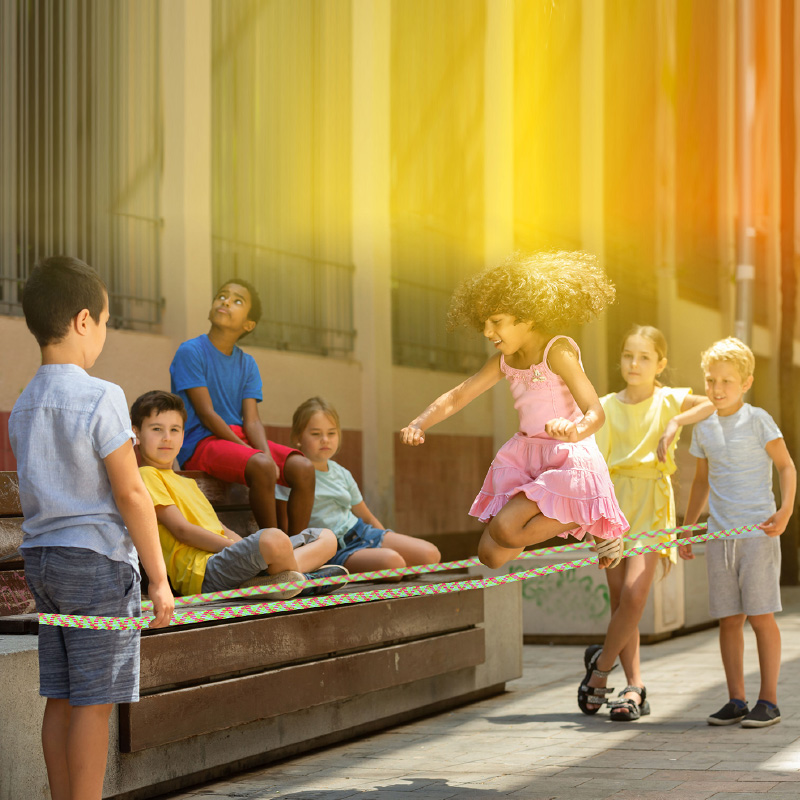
x=746, y=89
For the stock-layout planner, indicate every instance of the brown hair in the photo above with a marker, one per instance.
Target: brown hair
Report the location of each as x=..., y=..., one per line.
x=155, y=402
x=304, y=412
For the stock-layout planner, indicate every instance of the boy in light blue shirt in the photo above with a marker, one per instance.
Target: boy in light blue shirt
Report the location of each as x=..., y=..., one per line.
x=87, y=513
x=735, y=449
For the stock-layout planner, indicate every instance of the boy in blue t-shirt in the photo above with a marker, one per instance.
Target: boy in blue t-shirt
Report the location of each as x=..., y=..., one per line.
x=85, y=509
x=736, y=448
x=221, y=388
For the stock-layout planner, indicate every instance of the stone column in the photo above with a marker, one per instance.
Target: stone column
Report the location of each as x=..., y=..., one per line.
x=186, y=278
x=372, y=247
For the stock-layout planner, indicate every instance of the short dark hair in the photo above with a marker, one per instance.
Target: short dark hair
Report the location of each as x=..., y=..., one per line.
x=155, y=402
x=56, y=291
x=255, y=299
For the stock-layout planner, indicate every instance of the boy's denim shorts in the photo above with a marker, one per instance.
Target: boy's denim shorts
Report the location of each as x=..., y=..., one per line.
x=360, y=537
x=234, y=565
x=86, y=667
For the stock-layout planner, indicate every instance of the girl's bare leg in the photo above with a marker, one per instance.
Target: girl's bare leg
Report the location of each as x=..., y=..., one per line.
x=518, y=524
x=629, y=586
x=412, y=550
x=375, y=558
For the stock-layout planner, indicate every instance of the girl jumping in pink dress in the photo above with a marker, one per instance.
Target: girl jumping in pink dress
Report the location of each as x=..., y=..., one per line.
x=549, y=478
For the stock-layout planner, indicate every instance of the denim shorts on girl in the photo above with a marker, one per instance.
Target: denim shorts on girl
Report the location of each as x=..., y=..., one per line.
x=86, y=667
x=360, y=537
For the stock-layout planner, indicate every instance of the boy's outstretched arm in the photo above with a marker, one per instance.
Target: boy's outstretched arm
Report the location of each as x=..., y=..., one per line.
x=694, y=409
x=787, y=474
x=453, y=401
x=200, y=398
x=136, y=508
x=189, y=533
x=697, y=502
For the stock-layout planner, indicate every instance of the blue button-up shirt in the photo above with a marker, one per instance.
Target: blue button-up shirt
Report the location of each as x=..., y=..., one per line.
x=62, y=426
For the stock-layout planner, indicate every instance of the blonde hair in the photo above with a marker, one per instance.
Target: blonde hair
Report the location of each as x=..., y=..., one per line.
x=551, y=290
x=731, y=351
x=304, y=412
x=653, y=335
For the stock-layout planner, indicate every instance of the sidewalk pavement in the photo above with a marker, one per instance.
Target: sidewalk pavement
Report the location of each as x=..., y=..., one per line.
x=532, y=742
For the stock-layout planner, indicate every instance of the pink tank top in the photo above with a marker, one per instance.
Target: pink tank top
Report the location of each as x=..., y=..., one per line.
x=540, y=395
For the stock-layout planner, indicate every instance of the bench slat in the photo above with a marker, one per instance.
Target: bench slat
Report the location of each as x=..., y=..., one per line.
x=9, y=495
x=191, y=656
x=10, y=535
x=172, y=716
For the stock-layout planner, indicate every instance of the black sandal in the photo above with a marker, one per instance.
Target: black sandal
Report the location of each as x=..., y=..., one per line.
x=627, y=710
x=596, y=695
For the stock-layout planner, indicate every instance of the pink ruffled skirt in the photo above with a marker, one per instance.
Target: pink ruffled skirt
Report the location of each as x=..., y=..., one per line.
x=569, y=482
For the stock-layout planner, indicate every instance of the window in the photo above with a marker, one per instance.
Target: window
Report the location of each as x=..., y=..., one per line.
x=437, y=141
x=281, y=167
x=80, y=147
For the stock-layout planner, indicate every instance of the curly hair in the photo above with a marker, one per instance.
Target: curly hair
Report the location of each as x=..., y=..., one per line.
x=553, y=290
x=732, y=351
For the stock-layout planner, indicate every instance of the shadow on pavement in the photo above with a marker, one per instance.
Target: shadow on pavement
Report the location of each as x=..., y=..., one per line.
x=398, y=791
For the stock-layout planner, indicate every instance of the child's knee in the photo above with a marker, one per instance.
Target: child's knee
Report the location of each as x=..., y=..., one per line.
x=260, y=470
x=274, y=544
x=389, y=559
x=299, y=472
x=502, y=532
x=489, y=555
x=431, y=554
x=329, y=543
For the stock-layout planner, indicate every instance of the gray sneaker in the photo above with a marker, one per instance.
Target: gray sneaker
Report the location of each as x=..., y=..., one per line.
x=729, y=714
x=264, y=581
x=761, y=716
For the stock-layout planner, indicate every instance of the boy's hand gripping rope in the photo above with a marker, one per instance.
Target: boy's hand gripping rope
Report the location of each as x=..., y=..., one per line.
x=277, y=606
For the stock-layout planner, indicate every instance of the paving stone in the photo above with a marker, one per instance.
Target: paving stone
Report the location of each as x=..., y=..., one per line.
x=532, y=743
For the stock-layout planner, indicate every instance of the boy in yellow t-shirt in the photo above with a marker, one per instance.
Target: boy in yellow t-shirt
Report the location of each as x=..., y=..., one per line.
x=201, y=554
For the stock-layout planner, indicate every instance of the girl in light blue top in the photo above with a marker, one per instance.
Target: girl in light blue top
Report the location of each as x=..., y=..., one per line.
x=364, y=542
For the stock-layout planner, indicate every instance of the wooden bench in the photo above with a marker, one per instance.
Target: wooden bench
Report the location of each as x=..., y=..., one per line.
x=223, y=696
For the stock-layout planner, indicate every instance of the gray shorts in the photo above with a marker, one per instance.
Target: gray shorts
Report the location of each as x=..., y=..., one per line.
x=234, y=565
x=744, y=576
x=86, y=667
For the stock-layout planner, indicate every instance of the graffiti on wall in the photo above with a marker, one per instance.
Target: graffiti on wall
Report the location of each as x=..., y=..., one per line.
x=573, y=595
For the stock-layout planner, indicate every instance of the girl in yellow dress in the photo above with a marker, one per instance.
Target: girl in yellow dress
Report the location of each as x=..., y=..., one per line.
x=638, y=442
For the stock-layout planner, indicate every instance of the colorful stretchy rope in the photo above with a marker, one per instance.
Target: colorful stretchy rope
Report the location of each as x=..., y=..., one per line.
x=399, y=572
x=277, y=606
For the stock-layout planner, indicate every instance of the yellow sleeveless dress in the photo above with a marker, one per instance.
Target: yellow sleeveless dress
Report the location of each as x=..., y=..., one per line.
x=628, y=442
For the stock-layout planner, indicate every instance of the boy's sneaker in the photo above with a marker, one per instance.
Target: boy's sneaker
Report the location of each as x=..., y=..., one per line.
x=265, y=580
x=326, y=571
x=762, y=715
x=731, y=713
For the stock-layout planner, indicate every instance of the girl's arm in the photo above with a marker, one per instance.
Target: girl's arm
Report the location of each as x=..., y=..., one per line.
x=776, y=524
x=363, y=513
x=697, y=502
x=563, y=360
x=451, y=402
x=693, y=409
